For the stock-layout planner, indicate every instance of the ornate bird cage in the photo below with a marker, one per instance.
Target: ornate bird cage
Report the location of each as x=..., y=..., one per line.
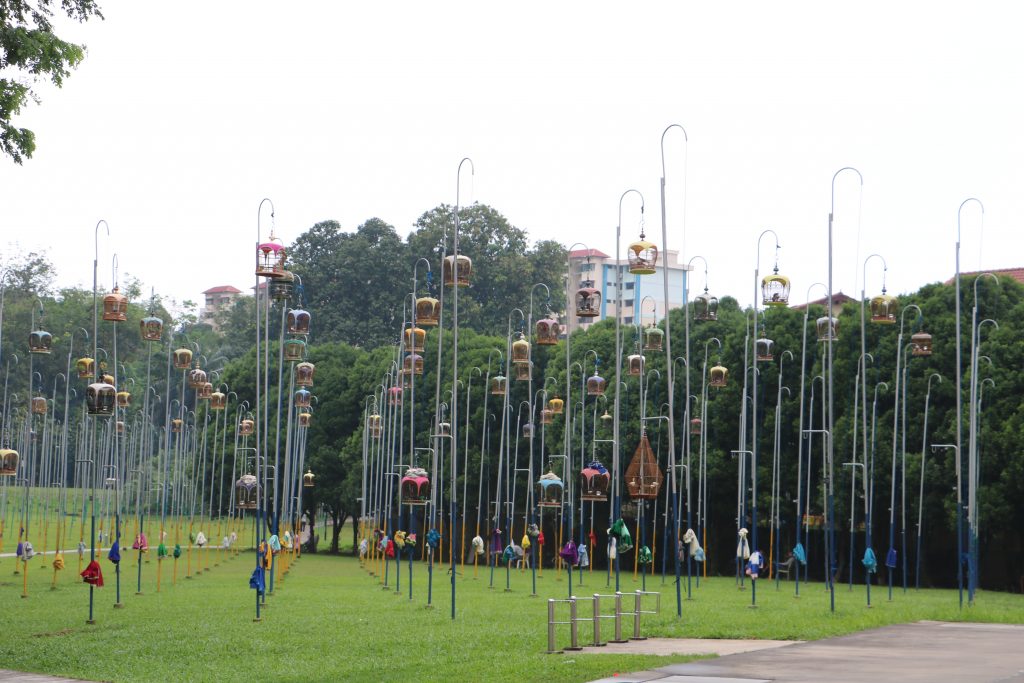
x=108, y=379
x=115, y=307
x=196, y=378
x=8, y=462
x=528, y=430
x=588, y=301
x=520, y=350
x=246, y=427
x=922, y=344
x=151, y=328
x=100, y=399
x=549, y=491
x=86, y=368
x=281, y=287
x=654, y=338
x=523, y=371
x=247, y=492
x=40, y=341
x=499, y=385
x=375, y=425
x=764, y=349
x=428, y=311
x=719, y=376
x=270, y=258
x=412, y=364
x=695, y=426
x=547, y=416
x=124, y=399
x=38, y=405
x=415, y=487
x=302, y=398
x=182, y=359
x=297, y=321
x=456, y=273
x=643, y=477
x=775, y=289
x=884, y=308
x=294, y=350
x=120, y=427
x=307, y=479
x=547, y=331
x=204, y=391
x=218, y=401
x=596, y=385
x=643, y=257
x=556, y=405
x=705, y=307
x=444, y=428
x=826, y=331
x=304, y=374
x=415, y=337
x=395, y=396
x=594, y=482
x=635, y=365
x=176, y=424
x=305, y=419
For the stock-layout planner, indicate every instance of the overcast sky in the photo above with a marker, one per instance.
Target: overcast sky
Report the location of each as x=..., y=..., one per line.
x=183, y=116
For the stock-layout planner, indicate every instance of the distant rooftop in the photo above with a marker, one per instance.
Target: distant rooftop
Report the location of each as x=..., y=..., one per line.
x=223, y=289
x=584, y=253
x=838, y=299
x=1016, y=273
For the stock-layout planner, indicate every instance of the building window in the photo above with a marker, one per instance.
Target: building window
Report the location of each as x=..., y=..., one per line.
x=629, y=285
x=627, y=320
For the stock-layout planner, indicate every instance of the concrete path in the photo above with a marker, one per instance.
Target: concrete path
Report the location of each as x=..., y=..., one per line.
x=21, y=677
x=924, y=651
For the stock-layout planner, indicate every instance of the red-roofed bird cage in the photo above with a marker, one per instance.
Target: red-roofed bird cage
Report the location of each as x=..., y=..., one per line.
x=395, y=396
x=705, y=306
x=247, y=492
x=8, y=462
x=922, y=342
x=588, y=300
x=643, y=476
x=115, y=307
x=304, y=374
x=428, y=311
x=182, y=359
x=826, y=331
x=719, y=376
x=643, y=257
x=415, y=487
x=415, y=337
x=297, y=321
x=246, y=427
x=270, y=258
x=151, y=328
x=547, y=331
x=775, y=289
x=549, y=491
x=884, y=308
x=594, y=483
x=456, y=270
x=85, y=367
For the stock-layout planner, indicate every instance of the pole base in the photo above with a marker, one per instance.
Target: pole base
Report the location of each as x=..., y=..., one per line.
x=507, y=590
x=618, y=642
x=90, y=622
x=24, y=596
x=573, y=649
x=139, y=593
x=118, y=605
x=188, y=577
x=638, y=638
x=257, y=620
x=53, y=588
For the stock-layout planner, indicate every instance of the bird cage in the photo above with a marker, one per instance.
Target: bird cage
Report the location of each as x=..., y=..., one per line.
x=204, y=391
x=499, y=385
x=86, y=368
x=305, y=419
x=547, y=331
x=549, y=491
x=196, y=378
x=302, y=398
x=294, y=350
x=695, y=426
x=520, y=350
x=246, y=427
x=775, y=289
x=375, y=425
x=115, y=307
x=182, y=359
x=415, y=487
x=556, y=405
x=218, y=401
x=8, y=462
x=588, y=301
x=395, y=396
x=606, y=417
x=281, y=287
x=528, y=430
x=38, y=405
x=270, y=257
x=826, y=331
x=176, y=426
x=596, y=385
x=428, y=311
x=546, y=416
x=705, y=307
x=304, y=374
x=247, y=492
x=307, y=479
x=654, y=338
x=635, y=365
x=40, y=341
x=460, y=273
x=412, y=364
x=415, y=337
x=643, y=257
x=297, y=321
x=100, y=398
x=884, y=308
x=922, y=342
x=719, y=376
x=594, y=482
x=444, y=428
x=151, y=328
x=124, y=399
x=106, y=379
x=764, y=349
x=643, y=477
x=120, y=427
x=523, y=371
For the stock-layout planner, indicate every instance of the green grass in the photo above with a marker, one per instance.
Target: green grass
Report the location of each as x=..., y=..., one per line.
x=331, y=620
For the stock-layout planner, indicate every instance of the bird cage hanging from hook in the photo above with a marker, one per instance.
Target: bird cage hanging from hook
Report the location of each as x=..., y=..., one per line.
x=588, y=300
x=415, y=487
x=705, y=307
x=246, y=427
x=40, y=341
x=395, y=396
x=719, y=376
x=695, y=426
x=775, y=289
x=547, y=331
x=549, y=491
x=294, y=350
x=635, y=365
x=107, y=379
x=305, y=419
x=302, y=398
x=596, y=385
x=196, y=378
x=412, y=364
x=643, y=257
x=176, y=424
x=115, y=307
x=428, y=311
x=415, y=337
x=594, y=482
x=884, y=308
x=520, y=350
x=375, y=425
x=182, y=359
x=247, y=492
x=528, y=430
x=297, y=321
x=444, y=428
x=307, y=479
x=38, y=405
x=523, y=371
x=556, y=405
x=100, y=398
x=270, y=258
x=120, y=427
x=218, y=400
x=499, y=385
x=643, y=477
x=85, y=367
x=124, y=399
x=8, y=462
x=547, y=416
x=151, y=328
x=654, y=338
x=457, y=269
x=764, y=349
x=304, y=374
x=204, y=391
x=922, y=344
x=281, y=287
x=827, y=331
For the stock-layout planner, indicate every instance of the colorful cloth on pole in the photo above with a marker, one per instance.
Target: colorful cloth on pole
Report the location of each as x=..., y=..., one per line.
x=890, y=558
x=161, y=551
x=693, y=545
x=496, y=540
x=275, y=542
x=364, y=547
x=755, y=564
x=478, y=545
x=389, y=549
x=509, y=554
x=584, y=556
x=81, y=548
x=644, y=555
x=140, y=543
x=742, y=546
x=800, y=554
x=400, y=539
x=433, y=538
x=526, y=541
x=115, y=553
x=256, y=580
x=410, y=540
x=27, y=553
x=569, y=553
x=596, y=465
x=286, y=541
x=93, y=575
x=200, y=539
x=869, y=561
x=620, y=532
x=263, y=554
x=58, y=562
x=177, y=550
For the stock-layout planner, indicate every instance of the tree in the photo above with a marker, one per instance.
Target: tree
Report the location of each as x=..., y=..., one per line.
x=30, y=48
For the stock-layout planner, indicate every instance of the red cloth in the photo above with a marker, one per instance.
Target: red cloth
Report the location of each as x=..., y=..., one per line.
x=93, y=574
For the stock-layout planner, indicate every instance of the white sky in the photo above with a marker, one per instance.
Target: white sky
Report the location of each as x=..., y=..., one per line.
x=185, y=115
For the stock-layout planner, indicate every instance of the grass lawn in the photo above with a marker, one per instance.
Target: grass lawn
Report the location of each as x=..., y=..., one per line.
x=330, y=620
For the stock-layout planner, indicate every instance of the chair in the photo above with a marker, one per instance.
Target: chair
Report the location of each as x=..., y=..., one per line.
x=784, y=568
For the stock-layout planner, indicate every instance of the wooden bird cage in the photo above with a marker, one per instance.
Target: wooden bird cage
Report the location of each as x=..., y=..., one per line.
x=218, y=400
x=594, y=483
x=705, y=307
x=556, y=405
x=40, y=341
x=297, y=321
x=270, y=258
x=38, y=405
x=764, y=349
x=547, y=331
x=204, y=391
x=302, y=398
x=100, y=398
x=884, y=309
x=246, y=427
x=8, y=462
x=775, y=290
x=499, y=385
x=196, y=378
x=635, y=365
x=654, y=338
x=922, y=342
x=151, y=328
x=294, y=350
x=428, y=311
x=588, y=300
x=281, y=287
x=115, y=307
x=182, y=359
x=304, y=374
x=549, y=491
x=596, y=385
x=643, y=257
x=520, y=350
x=86, y=368
x=457, y=270
x=247, y=492
x=643, y=476
x=719, y=376
x=307, y=479
x=415, y=337
x=827, y=332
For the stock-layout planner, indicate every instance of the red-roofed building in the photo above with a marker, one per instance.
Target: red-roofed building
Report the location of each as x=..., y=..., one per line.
x=218, y=298
x=1016, y=273
x=838, y=301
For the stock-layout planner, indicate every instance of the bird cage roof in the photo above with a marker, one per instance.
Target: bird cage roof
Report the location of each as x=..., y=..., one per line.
x=643, y=476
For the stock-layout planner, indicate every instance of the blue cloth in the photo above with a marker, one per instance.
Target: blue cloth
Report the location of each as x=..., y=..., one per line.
x=115, y=553
x=433, y=538
x=596, y=465
x=869, y=561
x=256, y=580
x=800, y=554
x=890, y=558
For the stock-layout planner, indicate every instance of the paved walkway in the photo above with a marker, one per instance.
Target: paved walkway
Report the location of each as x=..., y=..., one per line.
x=21, y=677
x=924, y=651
